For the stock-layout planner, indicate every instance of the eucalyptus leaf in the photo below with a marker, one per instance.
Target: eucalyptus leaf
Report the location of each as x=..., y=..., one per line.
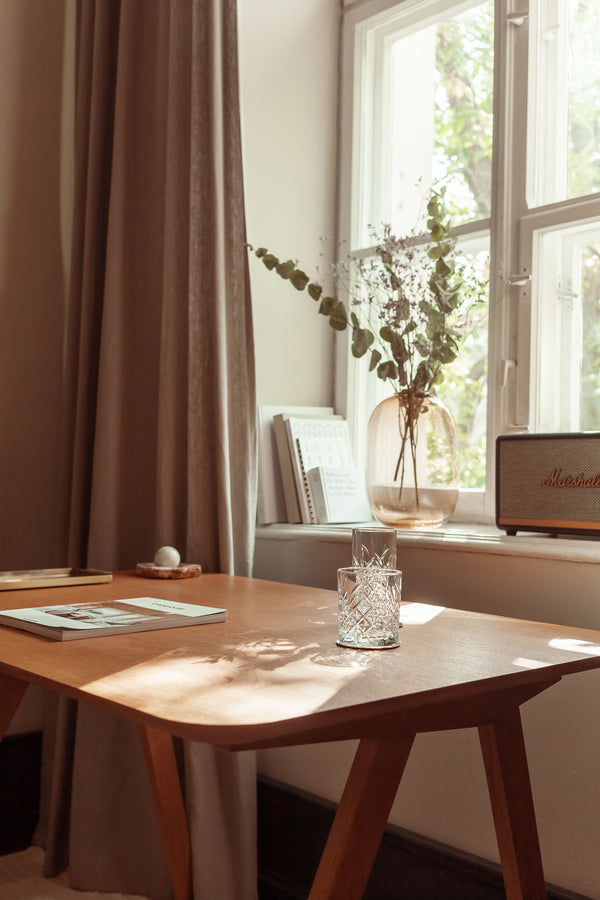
x=437, y=232
x=387, y=371
x=285, y=269
x=374, y=361
x=339, y=317
x=425, y=374
x=422, y=345
x=361, y=341
x=299, y=279
x=270, y=261
x=327, y=305
x=439, y=251
x=398, y=347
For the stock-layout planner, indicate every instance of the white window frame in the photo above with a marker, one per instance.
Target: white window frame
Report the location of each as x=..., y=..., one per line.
x=543, y=301
x=515, y=293
x=356, y=392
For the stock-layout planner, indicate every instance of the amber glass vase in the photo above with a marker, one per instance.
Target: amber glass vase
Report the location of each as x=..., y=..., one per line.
x=412, y=461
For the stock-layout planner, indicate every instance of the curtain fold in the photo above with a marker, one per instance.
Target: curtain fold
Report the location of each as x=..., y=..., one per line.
x=160, y=340
x=160, y=426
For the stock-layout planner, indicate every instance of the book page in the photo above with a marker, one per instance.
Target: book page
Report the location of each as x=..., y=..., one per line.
x=339, y=494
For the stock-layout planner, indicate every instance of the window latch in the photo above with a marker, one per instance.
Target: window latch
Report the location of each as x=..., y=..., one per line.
x=566, y=294
x=506, y=366
x=517, y=18
x=518, y=280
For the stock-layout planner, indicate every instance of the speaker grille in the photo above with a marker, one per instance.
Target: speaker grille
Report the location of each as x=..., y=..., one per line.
x=548, y=480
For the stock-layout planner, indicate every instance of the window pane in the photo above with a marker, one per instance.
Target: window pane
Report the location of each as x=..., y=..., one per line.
x=567, y=336
x=441, y=129
x=564, y=89
x=422, y=118
x=463, y=111
x=464, y=389
x=590, y=375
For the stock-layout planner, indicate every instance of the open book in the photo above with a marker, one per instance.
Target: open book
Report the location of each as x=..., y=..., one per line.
x=82, y=620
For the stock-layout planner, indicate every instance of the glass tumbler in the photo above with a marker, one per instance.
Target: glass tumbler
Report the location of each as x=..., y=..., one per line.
x=369, y=607
x=374, y=547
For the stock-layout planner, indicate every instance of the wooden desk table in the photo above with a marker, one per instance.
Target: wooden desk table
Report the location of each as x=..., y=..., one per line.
x=272, y=675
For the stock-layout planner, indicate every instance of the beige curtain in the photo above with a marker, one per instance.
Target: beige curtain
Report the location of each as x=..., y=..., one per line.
x=160, y=331
x=161, y=425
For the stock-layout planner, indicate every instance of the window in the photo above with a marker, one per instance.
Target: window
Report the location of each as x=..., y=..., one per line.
x=502, y=108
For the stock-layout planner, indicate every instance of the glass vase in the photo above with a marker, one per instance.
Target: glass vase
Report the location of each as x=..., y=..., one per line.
x=412, y=461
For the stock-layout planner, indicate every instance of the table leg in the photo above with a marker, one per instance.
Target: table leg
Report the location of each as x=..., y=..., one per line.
x=168, y=799
x=11, y=692
x=361, y=818
x=503, y=749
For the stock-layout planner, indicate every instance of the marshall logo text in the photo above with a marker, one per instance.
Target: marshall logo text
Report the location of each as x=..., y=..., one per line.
x=557, y=479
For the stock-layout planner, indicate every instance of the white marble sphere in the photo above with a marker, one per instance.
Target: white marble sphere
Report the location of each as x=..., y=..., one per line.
x=167, y=557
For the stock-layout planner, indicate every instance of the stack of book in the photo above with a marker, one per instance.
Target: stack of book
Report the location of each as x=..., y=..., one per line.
x=307, y=470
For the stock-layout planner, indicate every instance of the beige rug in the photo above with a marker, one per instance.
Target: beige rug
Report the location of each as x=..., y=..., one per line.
x=21, y=879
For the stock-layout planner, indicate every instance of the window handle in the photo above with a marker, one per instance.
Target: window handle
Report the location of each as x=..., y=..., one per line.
x=517, y=18
x=518, y=280
x=506, y=365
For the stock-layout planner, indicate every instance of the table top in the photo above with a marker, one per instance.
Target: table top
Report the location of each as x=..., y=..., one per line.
x=272, y=673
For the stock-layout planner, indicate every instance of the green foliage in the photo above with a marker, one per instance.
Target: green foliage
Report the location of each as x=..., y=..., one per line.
x=464, y=391
x=583, y=149
x=464, y=110
x=408, y=307
x=590, y=368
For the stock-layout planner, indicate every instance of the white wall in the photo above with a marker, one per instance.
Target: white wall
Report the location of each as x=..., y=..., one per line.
x=289, y=108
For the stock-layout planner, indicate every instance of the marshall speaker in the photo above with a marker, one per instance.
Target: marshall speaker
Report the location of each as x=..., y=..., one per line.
x=548, y=483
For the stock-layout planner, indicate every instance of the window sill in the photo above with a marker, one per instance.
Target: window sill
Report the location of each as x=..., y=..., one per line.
x=484, y=539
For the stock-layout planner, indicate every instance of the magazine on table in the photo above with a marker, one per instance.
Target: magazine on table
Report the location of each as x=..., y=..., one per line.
x=70, y=621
